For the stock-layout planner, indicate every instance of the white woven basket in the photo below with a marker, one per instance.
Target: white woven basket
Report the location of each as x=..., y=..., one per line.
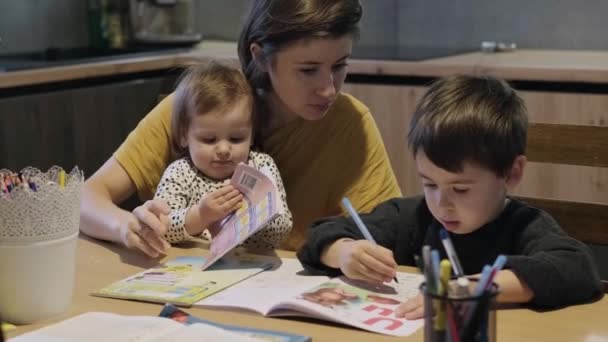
x=52, y=212
x=38, y=237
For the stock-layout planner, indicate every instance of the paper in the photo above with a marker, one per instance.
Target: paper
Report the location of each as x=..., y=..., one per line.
x=260, y=206
x=181, y=281
x=102, y=327
x=358, y=304
x=283, y=292
x=170, y=311
x=261, y=292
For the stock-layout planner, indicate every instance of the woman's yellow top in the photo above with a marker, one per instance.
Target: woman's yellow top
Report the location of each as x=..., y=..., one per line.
x=320, y=161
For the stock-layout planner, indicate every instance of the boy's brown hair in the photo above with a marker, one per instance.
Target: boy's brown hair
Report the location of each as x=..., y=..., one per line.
x=204, y=88
x=480, y=120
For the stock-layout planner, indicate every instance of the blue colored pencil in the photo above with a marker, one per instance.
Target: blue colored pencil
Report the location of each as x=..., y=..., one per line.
x=353, y=213
x=451, y=252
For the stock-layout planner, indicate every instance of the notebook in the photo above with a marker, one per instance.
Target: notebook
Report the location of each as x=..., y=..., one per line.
x=103, y=326
x=260, y=206
x=170, y=311
x=282, y=291
x=182, y=281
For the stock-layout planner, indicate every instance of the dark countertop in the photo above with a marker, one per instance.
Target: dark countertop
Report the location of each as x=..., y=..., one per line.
x=54, y=57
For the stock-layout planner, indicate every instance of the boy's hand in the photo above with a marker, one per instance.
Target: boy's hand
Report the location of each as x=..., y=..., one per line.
x=412, y=309
x=365, y=260
x=217, y=205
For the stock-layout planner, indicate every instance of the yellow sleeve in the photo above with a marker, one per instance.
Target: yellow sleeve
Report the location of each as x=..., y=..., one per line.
x=377, y=182
x=146, y=152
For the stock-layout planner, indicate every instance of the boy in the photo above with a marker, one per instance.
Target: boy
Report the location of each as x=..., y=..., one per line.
x=468, y=137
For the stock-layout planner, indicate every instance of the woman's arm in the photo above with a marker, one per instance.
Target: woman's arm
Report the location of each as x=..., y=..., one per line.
x=100, y=217
x=136, y=166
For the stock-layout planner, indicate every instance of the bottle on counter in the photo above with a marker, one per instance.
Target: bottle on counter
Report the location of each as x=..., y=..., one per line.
x=106, y=27
x=98, y=31
x=116, y=37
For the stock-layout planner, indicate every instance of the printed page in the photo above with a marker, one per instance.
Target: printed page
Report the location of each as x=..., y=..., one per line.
x=259, y=207
x=172, y=312
x=359, y=304
x=251, y=182
x=198, y=332
x=262, y=292
x=182, y=282
x=102, y=327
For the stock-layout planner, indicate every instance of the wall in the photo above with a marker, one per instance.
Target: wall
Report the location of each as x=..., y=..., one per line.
x=37, y=24
x=547, y=24
x=220, y=19
x=543, y=24
x=552, y=24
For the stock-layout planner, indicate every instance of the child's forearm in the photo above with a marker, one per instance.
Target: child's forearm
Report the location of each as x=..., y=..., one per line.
x=331, y=254
x=512, y=289
x=194, y=222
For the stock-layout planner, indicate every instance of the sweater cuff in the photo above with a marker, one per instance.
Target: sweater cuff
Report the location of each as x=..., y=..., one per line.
x=310, y=254
x=527, y=270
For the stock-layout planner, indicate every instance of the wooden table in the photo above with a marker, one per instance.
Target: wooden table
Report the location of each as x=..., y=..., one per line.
x=100, y=264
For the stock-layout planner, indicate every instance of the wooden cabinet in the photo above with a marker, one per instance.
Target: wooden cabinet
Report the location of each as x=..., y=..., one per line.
x=393, y=105
x=74, y=126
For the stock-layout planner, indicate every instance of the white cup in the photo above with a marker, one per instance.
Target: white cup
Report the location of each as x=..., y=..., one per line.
x=36, y=279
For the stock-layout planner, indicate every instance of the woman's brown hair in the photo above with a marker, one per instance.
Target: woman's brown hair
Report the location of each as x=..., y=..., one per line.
x=204, y=88
x=274, y=24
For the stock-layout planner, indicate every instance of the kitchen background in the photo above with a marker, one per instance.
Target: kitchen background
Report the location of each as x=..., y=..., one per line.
x=35, y=25
x=32, y=25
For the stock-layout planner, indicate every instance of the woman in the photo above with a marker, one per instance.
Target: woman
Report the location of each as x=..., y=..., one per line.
x=325, y=143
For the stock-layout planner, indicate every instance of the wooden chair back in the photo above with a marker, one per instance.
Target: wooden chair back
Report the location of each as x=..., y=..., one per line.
x=572, y=145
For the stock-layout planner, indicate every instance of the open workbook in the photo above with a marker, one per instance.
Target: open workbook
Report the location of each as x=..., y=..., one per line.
x=170, y=311
x=181, y=281
x=260, y=206
x=283, y=292
x=172, y=325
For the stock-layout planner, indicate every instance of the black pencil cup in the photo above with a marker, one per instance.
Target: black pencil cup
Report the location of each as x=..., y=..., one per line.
x=460, y=319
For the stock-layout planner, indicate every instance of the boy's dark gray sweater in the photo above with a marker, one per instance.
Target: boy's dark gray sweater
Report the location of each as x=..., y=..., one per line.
x=559, y=269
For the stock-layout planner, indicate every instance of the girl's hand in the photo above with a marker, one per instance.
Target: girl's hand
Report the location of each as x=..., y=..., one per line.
x=217, y=205
x=145, y=228
x=412, y=309
x=365, y=260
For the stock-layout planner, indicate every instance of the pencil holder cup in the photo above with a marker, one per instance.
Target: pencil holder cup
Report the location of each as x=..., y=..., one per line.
x=39, y=222
x=459, y=318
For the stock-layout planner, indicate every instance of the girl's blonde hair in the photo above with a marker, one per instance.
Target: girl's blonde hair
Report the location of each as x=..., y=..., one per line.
x=204, y=88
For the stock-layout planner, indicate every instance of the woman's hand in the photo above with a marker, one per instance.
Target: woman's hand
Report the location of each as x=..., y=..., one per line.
x=361, y=259
x=214, y=207
x=145, y=228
